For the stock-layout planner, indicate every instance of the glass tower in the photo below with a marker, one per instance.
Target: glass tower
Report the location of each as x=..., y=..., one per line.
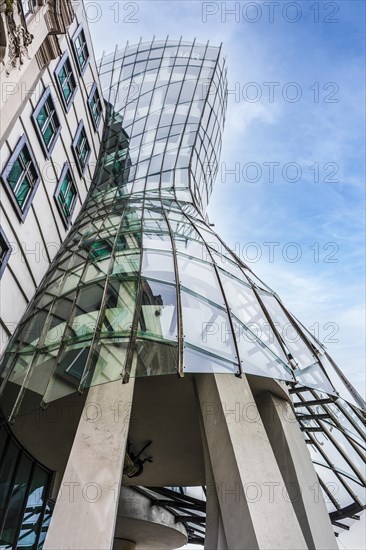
x=143, y=286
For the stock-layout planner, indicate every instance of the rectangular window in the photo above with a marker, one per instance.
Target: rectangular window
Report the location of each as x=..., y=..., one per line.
x=95, y=105
x=81, y=148
x=66, y=194
x=66, y=81
x=21, y=177
x=28, y=6
x=5, y=251
x=47, y=122
x=80, y=49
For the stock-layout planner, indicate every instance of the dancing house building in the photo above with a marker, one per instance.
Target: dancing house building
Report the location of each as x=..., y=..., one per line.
x=135, y=372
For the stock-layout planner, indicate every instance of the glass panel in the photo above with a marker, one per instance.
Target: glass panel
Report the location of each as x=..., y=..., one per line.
x=245, y=307
x=154, y=358
x=6, y=473
x=126, y=264
x=337, y=381
x=201, y=278
x=314, y=377
x=158, y=316
x=22, y=192
x=16, y=501
x=256, y=358
x=288, y=332
x=207, y=327
x=42, y=117
x=159, y=240
x=45, y=524
x=69, y=372
x=120, y=307
x=86, y=309
x=196, y=360
x=109, y=358
x=158, y=265
x=14, y=174
x=32, y=518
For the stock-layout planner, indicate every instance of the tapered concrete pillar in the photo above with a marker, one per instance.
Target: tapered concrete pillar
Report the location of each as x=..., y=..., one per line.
x=85, y=512
x=245, y=470
x=298, y=472
x=215, y=533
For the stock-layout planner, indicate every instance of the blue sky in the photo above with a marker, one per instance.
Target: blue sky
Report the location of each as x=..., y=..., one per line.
x=320, y=57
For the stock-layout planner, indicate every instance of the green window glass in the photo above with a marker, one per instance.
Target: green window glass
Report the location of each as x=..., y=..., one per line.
x=15, y=174
x=66, y=195
x=4, y=253
x=48, y=122
x=22, y=176
x=81, y=49
x=95, y=105
x=82, y=148
x=67, y=81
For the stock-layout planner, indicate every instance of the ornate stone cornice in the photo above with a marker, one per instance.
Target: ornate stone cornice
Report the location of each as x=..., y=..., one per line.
x=59, y=16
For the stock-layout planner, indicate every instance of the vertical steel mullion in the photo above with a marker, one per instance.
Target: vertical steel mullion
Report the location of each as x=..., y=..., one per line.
x=179, y=300
x=133, y=335
x=190, y=181
x=101, y=313
x=205, y=101
x=275, y=331
x=68, y=322
x=329, y=494
x=23, y=507
x=46, y=491
x=10, y=490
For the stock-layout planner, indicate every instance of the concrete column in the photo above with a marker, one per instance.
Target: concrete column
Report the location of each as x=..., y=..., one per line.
x=215, y=533
x=245, y=470
x=297, y=470
x=85, y=512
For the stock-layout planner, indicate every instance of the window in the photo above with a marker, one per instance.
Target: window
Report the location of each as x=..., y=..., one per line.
x=66, y=81
x=28, y=6
x=95, y=105
x=47, y=122
x=21, y=177
x=5, y=251
x=66, y=194
x=81, y=148
x=80, y=49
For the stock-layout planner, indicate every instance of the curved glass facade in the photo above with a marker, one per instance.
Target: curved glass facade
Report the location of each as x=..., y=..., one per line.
x=25, y=510
x=143, y=286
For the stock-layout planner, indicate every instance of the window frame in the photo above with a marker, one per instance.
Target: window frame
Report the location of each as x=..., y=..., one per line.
x=66, y=168
x=80, y=128
x=64, y=59
x=32, y=6
x=7, y=253
x=94, y=90
x=45, y=96
x=76, y=35
x=22, y=213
